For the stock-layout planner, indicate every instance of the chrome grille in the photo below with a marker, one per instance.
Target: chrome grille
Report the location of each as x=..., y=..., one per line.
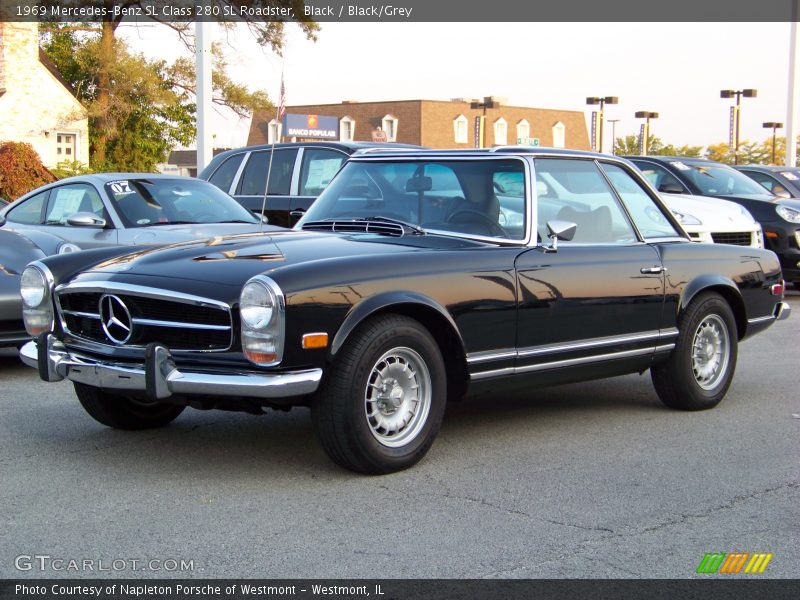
x=737, y=238
x=178, y=321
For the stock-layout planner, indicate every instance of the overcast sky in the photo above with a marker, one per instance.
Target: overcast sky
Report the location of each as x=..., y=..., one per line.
x=675, y=69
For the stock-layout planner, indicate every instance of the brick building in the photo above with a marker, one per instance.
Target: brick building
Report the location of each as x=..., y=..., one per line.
x=441, y=124
x=36, y=104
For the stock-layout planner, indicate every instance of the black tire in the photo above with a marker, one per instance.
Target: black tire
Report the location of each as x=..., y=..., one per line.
x=360, y=440
x=120, y=412
x=685, y=382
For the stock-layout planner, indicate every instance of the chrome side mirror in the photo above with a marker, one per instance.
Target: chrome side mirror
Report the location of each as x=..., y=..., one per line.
x=86, y=219
x=559, y=230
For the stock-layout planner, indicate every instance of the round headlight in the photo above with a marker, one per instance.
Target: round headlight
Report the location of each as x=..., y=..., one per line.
x=32, y=287
x=256, y=305
x=788, y=214
x=68, y=248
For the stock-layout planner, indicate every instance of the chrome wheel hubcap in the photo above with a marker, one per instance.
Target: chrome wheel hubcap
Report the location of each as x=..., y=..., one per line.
x=710, y=352
x=398, y=397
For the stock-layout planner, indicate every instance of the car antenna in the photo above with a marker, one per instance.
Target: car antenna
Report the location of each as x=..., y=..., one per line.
x=278, y=132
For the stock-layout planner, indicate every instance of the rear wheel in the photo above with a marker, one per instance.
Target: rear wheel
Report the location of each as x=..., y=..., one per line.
x=121, y=412
x=700, y=369
x=381, y=404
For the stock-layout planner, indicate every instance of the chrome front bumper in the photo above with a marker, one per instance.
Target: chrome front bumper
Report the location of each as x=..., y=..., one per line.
x=159, y=377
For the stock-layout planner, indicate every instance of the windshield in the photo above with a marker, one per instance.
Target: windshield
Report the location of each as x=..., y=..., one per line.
x=143, y=202
x=484, y=198
x=718, y=180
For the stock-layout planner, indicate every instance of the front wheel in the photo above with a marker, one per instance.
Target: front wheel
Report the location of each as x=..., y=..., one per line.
x=382, y=402
x=700, y=369
x=121, y=412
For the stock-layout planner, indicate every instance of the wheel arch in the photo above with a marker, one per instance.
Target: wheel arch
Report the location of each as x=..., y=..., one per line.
x=726, y=288
x=434, y=317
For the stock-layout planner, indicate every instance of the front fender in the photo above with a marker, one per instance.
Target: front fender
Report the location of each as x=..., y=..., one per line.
x=401, y=299
x=64, y=266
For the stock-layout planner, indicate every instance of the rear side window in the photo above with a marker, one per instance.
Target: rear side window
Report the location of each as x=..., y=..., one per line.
x=223, y=176
x=319, y=167
x=648, y=217
x=254, y=175
x=30, y=211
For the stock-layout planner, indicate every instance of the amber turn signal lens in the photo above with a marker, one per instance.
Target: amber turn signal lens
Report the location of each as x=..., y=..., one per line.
x=312, y=341
x=770, y=234
x=261, y=357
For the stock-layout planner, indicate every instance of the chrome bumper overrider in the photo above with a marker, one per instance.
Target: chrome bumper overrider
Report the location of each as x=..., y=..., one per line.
x=782, y=311
x=159, y=377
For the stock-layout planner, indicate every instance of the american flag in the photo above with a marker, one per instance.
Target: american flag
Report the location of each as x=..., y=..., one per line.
x=282, y=104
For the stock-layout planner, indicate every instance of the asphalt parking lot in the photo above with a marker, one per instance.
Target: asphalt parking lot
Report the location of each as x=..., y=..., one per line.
x=586, y=480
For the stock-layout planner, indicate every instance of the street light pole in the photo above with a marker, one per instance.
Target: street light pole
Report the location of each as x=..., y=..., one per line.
x=747, y=93
x=613, y=133
x=602, y=101
x=645, y=135
x=488, y=102
x=772, y=125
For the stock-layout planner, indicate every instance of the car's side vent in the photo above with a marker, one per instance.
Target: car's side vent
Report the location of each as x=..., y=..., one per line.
x=377, y=227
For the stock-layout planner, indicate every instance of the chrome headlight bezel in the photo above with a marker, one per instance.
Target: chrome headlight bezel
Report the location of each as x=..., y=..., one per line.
x=37, y=309
x=262, y=310
x=788, y=214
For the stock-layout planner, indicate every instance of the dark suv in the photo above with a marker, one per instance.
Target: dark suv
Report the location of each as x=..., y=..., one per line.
x=299, y=173
x=779, y=217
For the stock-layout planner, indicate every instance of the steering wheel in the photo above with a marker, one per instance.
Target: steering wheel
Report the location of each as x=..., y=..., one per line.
x=473, y=216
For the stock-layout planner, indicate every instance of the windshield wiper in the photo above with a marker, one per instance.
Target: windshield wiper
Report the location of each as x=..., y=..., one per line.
x=416, y=229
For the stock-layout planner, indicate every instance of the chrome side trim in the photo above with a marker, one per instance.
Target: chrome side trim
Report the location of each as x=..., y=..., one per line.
x=760, y=319
x=665, y=347
x=562, y=363
x=167, y=378
x=589, y=343
x=491, y=355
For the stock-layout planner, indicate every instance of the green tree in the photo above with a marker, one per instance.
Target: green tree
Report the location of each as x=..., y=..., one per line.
x=103, y=70
x=719, y=153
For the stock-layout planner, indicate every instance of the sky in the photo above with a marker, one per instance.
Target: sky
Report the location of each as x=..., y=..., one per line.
x=675, y=69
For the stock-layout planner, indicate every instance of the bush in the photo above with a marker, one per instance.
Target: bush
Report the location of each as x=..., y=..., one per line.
x=21, y=170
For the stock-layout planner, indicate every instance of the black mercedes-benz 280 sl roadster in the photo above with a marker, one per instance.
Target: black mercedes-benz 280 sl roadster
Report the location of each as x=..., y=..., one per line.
x=416, y=277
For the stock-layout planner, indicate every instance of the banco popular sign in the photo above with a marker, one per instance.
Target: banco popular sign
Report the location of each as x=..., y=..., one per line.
x=311, y=126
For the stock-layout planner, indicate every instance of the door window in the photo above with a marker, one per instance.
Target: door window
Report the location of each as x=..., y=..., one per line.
x=67, y=200
x=646, y=214
x=319, y=167
x=30, y=211
x=254, y=175
x=576, y=191
x=223, y=176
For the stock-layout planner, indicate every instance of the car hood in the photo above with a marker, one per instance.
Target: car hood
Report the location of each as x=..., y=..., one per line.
x=792, y=202
x=164, y=234
x=710, y=211
x=231, y=260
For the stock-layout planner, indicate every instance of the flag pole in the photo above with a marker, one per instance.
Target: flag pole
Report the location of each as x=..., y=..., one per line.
x=278, y=131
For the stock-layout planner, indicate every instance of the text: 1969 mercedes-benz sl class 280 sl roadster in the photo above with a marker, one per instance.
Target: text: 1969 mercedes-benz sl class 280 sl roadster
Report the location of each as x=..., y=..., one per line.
x=415, y=278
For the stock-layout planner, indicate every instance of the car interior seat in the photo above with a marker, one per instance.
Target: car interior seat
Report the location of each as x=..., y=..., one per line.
x=594, y=226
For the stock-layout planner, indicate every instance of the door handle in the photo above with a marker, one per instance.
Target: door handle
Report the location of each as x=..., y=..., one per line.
x=656, y=270
x=297, y=213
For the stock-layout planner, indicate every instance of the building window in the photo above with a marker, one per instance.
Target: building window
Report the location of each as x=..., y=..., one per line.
x=275, y=130
x=347, y=129
x=559, y=135
x=501, y=132
x=390, y=127
x=460, y=129
x=66, y=146
x=523, y=132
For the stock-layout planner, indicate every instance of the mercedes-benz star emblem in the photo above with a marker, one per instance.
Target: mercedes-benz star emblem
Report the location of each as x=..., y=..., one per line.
x=116, y=319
